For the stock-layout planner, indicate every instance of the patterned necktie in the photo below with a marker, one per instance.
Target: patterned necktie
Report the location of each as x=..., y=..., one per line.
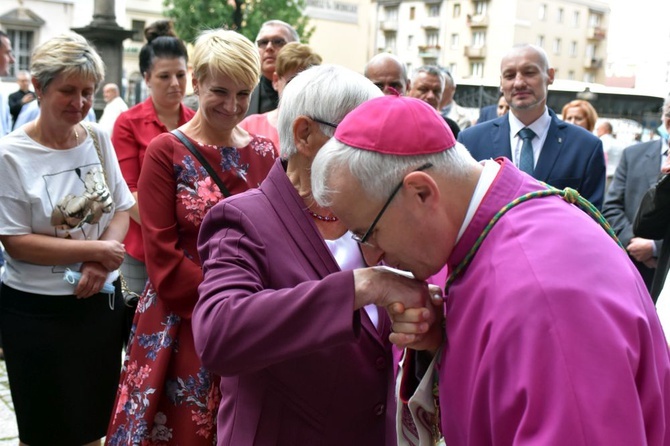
x=526, y=162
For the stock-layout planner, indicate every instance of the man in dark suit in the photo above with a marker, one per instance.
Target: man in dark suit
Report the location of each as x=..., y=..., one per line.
x=558, y=153
x=272, y=37
x=638, y=170
x=653, y=221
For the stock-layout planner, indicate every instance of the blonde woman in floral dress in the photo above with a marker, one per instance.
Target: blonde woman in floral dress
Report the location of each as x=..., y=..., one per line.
x=165, y=396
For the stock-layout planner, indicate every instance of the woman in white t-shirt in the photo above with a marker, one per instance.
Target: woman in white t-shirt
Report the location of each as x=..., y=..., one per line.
x=63, y=206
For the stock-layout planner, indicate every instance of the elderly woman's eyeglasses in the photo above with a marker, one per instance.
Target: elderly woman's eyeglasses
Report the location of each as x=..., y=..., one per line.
x=364, y=239
x=277, y=42
x=329, y=124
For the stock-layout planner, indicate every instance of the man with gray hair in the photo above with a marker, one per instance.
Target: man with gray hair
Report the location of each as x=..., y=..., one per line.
x=272, y=37
x=638, y=170
x=448, y=107
x=428, y=84
x=549, y=335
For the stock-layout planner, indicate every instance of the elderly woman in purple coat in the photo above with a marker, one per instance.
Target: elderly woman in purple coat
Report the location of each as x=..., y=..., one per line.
x=283, y=314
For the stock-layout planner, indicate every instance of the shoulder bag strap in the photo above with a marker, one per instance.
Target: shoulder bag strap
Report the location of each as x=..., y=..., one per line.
x=184, y=140
x=96, y=144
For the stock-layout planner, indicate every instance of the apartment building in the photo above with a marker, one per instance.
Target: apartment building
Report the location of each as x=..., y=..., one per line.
x=469, y=37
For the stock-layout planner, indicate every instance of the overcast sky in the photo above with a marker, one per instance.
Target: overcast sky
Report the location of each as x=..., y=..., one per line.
x=639, y=30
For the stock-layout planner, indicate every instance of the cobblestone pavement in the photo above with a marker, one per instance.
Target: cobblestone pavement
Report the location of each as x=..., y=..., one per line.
x=9, y=435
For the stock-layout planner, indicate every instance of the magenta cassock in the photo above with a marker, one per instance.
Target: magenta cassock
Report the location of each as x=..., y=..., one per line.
x=552, y=338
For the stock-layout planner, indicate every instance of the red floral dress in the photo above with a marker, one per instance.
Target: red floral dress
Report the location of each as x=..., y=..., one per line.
x=165, y=396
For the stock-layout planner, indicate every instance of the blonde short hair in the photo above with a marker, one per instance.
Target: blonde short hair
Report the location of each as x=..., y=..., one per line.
x=296, y=57
x=66, y=54
x=226, y=52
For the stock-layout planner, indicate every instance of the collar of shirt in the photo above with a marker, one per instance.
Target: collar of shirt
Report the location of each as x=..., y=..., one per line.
x=491, y=169
x=540, y=126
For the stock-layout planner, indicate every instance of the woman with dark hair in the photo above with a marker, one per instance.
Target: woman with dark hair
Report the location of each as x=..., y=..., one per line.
x=163, y=64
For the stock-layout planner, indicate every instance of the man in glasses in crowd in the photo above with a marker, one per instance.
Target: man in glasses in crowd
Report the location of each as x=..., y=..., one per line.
x=272, y=37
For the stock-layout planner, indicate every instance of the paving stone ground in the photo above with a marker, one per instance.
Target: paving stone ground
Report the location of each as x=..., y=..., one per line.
x=9, y=435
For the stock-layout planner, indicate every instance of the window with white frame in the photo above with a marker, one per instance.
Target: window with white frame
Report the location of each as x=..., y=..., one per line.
x=480, y=7
x=540, y=41
x=559, y=15
x=557, y=46
x=391, y=13
x=452, y=69
x=542, y=12
x=478, y=39
x=390, y=41
x=412, y=12
x=432, y=38
x=575, y=19
x=454, y=41
x=433, y=10
x=573, y=48
x=571, y=75
x=22, y=47
x=410, y=41
x=477, y=69
x=595, y=19
x=456, y=13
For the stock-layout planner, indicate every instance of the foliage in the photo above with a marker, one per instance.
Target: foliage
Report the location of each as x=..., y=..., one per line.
x=190, y=17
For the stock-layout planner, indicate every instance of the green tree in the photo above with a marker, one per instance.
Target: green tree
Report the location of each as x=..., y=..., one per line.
x=190, y=17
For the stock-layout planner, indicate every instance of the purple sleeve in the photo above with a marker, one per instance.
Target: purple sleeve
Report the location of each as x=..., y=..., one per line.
x=257, y=306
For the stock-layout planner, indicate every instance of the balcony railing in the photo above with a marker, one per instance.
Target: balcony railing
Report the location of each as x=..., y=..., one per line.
x=478, y=20
x=431, y=23
x=596, y=33
x=388, y=25
x=475, y=52
x=429, y=51
x=593, y=63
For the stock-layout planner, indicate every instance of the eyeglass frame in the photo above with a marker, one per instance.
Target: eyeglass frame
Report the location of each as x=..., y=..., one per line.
x=277, y=42
x=320, y=121
x=364, y=239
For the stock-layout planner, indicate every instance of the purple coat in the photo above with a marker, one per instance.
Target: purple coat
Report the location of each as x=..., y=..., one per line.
x=552, y=337
x=275, y=319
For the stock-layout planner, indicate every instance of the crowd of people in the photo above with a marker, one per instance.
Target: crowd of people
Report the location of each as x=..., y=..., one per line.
x=325, y=257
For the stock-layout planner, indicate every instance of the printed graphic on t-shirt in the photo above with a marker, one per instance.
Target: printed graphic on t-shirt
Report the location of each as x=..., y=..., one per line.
x=85, y=202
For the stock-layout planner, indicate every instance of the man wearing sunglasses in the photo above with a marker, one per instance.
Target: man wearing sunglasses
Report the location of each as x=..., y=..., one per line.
x=549, y=336
x=272, y=37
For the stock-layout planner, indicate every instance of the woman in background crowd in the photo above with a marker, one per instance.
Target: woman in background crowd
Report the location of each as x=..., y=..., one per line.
x=292, y=59
x=163, y=64
x=502, y=107
x=165, y=395
x=581, y=113
x=63, y=205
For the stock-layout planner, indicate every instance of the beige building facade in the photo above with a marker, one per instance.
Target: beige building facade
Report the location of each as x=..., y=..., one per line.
x=469, y=37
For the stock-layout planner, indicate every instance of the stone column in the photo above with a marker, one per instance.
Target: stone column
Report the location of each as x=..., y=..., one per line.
x=107, y=37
